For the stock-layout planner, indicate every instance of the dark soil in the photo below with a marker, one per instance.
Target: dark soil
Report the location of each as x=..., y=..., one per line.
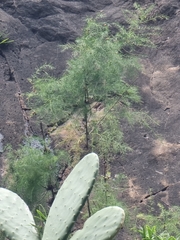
x=38, y=27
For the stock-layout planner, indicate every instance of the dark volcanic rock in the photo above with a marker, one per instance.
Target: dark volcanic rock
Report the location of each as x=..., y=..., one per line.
x=53, y=19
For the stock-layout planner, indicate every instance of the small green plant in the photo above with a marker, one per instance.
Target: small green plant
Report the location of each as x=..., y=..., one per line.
x=165, y=225
x=146, y=14
x=4, y=39
x=139, y=33
x=150, y=233
x=33, y=173
x=17, y=221
x=104, y=194
x=107, y=136
x=40, y=219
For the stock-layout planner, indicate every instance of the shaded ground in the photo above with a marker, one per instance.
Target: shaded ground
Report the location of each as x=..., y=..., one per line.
x=153, y=166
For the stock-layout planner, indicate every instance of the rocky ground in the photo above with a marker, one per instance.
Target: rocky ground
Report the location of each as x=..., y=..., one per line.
x=39, y=26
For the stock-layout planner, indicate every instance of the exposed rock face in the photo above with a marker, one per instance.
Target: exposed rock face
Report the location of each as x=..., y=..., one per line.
x=39, y=26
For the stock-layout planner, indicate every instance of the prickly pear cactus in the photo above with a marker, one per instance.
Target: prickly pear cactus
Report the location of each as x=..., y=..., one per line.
x=71, y=198
x=16, y=219
x=17, y=222
x=103, y=225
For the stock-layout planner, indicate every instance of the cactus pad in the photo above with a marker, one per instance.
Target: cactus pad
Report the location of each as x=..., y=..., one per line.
x=71, y=198
x=103, y=225
x=16, y=219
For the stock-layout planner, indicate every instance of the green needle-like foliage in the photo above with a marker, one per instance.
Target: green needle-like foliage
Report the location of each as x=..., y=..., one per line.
x=31, y=171
x=100, y=70
x=97, y=72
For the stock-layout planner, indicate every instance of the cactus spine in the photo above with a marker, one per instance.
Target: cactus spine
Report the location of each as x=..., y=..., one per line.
x=17, y=222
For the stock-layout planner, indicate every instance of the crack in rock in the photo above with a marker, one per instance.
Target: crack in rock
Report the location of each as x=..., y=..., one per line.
x=9, y=71
x=28, y=128
x=154, y=193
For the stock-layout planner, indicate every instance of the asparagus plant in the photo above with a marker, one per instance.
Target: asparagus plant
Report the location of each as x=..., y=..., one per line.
x=17, y=221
